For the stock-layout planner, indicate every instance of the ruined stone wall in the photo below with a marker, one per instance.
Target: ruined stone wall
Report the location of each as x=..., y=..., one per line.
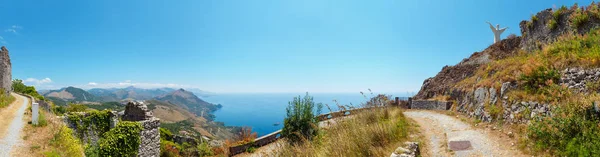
x=479, y=103
x=90, y=133
x=150, y=137
x=430, y=105
x=5, y=70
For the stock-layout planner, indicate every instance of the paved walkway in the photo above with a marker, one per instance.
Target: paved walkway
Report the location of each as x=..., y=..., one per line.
x=13, y=130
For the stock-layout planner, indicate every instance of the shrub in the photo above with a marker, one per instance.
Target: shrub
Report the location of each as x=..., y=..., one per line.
x=300, y=123
x=204, y=149
x=245, y=135
x=19, y=87
x=556, y=15
x=538, y=78
x=552, y=24
x=65, y=143
x=578, y=18
x=5, y=99
x=169, y=149
x=123, y=140
x=572, y=131
x=42, y=122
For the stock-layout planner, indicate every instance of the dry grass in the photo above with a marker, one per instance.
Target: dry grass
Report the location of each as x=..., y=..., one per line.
x=38, y=141
x=376, y=132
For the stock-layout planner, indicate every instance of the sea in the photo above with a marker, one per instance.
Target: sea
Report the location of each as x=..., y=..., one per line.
x=264, y=113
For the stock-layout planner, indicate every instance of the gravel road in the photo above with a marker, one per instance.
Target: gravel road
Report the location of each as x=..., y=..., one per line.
x=439, y=129
x=13, y=134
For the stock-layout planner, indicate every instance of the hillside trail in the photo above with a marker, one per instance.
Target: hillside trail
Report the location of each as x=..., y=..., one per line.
x=440, y=129
x=11, y=124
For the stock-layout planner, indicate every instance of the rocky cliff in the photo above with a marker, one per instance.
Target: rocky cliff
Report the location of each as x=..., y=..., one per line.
x=478, y=85
x=5, y=70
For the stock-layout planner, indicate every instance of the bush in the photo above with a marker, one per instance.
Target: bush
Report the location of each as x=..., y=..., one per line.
x=169, y=149
x=204, y=149
x=572, y=131
x=42, y=122
x=123, y=140
x=552, y=24
x=19, y=87
x=578, y=18
x=65, y=143
x=539, y=78
x=5, y=99
x=300, y=123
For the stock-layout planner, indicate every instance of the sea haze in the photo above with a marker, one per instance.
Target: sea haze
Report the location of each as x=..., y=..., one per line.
x=262, y=111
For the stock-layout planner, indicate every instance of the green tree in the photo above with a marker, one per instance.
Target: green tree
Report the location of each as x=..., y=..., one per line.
x=301, y=123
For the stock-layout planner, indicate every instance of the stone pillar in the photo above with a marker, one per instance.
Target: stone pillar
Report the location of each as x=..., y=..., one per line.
x=409, y=103
x=35, y=113
x=150, y=135
x=5, y=71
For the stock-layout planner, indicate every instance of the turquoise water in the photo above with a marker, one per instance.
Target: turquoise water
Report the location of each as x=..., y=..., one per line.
x=262, y=111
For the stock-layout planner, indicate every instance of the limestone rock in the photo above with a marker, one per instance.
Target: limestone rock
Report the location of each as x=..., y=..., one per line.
x=410, y=149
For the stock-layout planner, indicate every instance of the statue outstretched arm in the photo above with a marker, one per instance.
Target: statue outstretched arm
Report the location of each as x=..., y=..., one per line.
x=491, y=26
x=502, y=30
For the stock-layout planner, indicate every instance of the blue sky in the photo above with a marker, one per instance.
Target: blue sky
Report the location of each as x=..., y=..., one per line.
x=250, y=46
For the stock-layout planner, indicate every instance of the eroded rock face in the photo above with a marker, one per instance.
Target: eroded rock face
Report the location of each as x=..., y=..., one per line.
x=5, y=71
x=135, y=111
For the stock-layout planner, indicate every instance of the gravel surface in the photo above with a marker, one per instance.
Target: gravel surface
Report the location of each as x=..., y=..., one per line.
x=13, y=134
x=440, y=129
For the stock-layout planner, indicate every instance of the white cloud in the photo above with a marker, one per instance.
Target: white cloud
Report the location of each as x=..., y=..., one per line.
x=14, y=29
x=128, y=83
x=35, y=81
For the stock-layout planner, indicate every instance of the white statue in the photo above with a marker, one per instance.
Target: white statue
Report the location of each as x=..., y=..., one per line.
x=497, y=31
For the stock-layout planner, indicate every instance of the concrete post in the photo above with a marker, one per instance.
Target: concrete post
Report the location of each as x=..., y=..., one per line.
x=35, y=113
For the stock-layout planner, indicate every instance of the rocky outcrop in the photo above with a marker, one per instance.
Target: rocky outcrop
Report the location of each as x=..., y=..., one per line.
x=538, y=32
x=5, y=71
x=444, y=82
x=410, y=149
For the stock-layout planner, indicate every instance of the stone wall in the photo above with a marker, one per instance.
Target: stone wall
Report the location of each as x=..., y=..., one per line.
x=430, y=105
x=479, y=103
x=89, y=134
x=5, y=70
x=150, y=135
x=579, y=79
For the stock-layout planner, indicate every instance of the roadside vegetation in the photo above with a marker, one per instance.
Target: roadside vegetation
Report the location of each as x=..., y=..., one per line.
x=5, y=99
x=373, y=132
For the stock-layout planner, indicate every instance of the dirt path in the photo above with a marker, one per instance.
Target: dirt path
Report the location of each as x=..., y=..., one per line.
x=11, y=124
x=439, y=129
